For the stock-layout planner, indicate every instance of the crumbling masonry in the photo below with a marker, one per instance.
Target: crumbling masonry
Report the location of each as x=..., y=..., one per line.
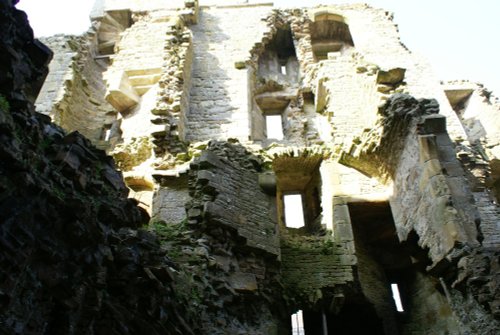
x=217, y=113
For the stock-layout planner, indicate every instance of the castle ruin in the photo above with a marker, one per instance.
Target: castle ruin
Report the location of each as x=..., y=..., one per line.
x=296, y=164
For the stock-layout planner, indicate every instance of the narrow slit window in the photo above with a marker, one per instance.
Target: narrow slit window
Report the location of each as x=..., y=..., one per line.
x=297, y=323
x=397, y=297
x=283, y=70
x=274, y=127
x=107, y=135
x=294, y=213
x=106, y=132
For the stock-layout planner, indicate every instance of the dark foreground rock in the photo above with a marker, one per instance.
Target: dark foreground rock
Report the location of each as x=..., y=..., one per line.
x=73, y=259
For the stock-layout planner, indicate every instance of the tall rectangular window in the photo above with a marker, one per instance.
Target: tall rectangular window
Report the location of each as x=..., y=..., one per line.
x=294, y=212
x=397, y=297
x=107, y=135
x=283, y=70
x=274, y=127
x=106, y=132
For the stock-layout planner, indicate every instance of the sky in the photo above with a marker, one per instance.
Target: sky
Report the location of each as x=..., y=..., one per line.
x=458, y=37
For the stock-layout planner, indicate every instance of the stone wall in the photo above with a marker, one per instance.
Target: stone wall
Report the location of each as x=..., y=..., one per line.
x=235, y=222
x=376, y=38
x=170, y=199
x=428, y=310
x=314, y=268
x=375, y=286
x=227, y=175
x=424, y=163
x=73, y=94
x=489, y=213
x=219, y=107
x=59, y=71
x=447, y=214
x=431, y=194
x=376, y=47
x=182, y=75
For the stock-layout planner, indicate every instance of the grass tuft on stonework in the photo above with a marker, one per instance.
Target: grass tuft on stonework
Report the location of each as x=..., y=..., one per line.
x=4, y=104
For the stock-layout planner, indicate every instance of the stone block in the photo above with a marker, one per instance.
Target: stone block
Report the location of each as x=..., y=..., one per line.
x=120, y=92
x=206, y=176
x=341, y=214
x=392, y=77
x=343, y=232
x=321, y=98
x=338, y=201
x=437, y=187
x=209, y=160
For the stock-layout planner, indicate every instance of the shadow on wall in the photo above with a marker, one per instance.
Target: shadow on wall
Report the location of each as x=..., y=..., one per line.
x=211, y=105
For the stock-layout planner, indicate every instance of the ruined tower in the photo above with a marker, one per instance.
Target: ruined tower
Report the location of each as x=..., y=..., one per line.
x=296, y=164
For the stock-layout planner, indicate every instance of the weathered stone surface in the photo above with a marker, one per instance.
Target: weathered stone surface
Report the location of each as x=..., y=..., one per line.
x=226, y=262
x=245, y=282
x=313, y=267
x=133, y=153
x=391, y=77
x=377, y=151
x=120, y=92
x=74, y=93
x=228, y=174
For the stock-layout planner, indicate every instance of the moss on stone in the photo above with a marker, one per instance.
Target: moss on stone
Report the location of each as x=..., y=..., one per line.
x=133, y=153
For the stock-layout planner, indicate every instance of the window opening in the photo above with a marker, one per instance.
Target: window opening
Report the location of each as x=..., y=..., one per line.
x=283, y=70
x=294, y=213
x=106, y=133
x=397, y=297
x=297, y=323
x=274, y=127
